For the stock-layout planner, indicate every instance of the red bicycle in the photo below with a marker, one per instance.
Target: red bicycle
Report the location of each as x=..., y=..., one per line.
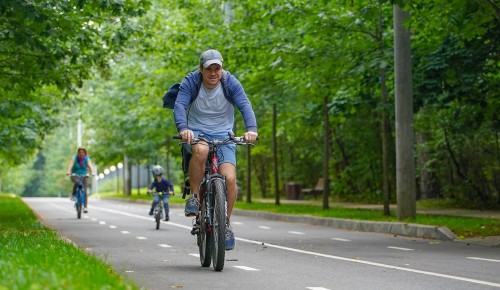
x=210, y=223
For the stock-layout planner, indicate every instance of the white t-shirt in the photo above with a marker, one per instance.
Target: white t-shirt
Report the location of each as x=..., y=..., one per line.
x=211, y=112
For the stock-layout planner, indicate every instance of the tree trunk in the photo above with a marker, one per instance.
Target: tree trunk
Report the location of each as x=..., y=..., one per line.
x=385, y=128
x=428, y=182
x=405, y=163
x=275, y=159
x=127, y=170
x=326, y=156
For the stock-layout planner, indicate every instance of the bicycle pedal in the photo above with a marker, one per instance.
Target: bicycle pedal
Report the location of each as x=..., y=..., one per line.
x=195, y=231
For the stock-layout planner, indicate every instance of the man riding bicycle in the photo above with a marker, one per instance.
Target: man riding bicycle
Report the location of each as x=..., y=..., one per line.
x=205, y=105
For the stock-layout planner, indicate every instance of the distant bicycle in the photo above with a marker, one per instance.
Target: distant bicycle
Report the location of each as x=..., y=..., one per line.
x=79, y=194
x=210, y=223
x=159, y=210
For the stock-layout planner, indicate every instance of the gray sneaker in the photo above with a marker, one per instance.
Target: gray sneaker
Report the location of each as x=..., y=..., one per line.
x=230, y=241
x=192, y=206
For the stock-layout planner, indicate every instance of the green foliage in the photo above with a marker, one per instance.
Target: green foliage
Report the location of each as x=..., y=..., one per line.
x=47, y=49
x=285, y=53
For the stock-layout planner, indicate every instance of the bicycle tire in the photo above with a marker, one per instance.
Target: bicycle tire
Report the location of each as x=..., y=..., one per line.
x=78, y=204
x=158, y=215
x=219, y=225
x=205, y=238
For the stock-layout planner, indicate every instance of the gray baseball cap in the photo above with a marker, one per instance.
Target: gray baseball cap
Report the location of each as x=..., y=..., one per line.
x=209, y=57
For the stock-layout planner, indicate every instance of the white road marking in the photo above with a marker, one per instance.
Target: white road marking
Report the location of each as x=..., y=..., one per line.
x=317, y=288
x=401, y=249
x=246, y=268
x=264, y=227
x=296, y=233
x=483, y=259
x=93, y=219
x=112, y=227
x=236, y=223
x=260, y=243
x=141, y=238
x=102, y=223
x=195, y=255
x=475, y=281
x=125, y=232
x=340, y=239
x=164, y=245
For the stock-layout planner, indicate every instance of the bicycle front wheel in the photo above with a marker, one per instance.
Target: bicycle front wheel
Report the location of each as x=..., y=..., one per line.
x=205, y=236
x=78, y=204
x=158, y=215
x=219, y=228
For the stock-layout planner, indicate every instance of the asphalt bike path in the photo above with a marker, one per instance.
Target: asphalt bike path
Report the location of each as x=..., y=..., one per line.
x=269, y=254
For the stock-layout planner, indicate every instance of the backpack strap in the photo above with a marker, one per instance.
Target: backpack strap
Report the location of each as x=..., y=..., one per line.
x=224, y=87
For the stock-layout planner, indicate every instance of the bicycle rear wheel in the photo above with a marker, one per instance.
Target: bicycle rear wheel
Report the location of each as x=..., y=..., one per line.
x=205, y=237
x=219, y=228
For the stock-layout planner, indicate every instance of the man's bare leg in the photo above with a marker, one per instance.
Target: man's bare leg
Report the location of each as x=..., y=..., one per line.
x=229, y=170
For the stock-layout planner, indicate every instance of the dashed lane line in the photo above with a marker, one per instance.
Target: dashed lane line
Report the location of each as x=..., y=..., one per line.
x=341, y=240
x=296, y=233
x=399, y=248
x=264, y=227
x=483, y=259
x=246, y=268
x=458, y=278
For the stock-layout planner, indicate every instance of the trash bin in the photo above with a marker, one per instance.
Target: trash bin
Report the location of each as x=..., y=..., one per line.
x=292, y=190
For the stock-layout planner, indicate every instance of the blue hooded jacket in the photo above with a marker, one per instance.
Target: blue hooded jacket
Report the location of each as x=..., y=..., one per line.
x=233, y=91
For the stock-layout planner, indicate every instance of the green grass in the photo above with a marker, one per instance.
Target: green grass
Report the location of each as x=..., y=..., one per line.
x=34, y=257
x=463, y=227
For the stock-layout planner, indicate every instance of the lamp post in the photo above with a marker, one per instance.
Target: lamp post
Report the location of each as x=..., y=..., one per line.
x=120, y=166
x=113, y=169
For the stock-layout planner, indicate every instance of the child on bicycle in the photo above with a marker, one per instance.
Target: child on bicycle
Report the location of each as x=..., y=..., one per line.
x=161, y=185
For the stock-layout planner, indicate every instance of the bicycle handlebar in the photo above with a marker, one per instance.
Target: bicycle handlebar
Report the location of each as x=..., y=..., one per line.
x=79, y=175
x=230, y=140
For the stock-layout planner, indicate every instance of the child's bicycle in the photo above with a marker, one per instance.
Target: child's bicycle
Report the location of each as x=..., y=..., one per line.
x=79, y=194
x=210, y=223
x=159, y=210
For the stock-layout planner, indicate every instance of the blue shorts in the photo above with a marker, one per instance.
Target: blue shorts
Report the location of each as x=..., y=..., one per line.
x=226, y=153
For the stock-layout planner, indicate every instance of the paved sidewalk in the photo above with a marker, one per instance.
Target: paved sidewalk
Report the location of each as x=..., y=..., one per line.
x=396, y=228
x=433, y=211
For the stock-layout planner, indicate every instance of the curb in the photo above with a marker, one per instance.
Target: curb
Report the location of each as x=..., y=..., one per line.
x=394, y=228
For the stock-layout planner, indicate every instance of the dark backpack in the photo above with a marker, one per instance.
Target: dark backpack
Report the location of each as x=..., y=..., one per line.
x=171, y=95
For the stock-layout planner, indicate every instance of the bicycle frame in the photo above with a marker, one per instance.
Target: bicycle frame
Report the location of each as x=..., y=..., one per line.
x=159, y=210
x=79, y=194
